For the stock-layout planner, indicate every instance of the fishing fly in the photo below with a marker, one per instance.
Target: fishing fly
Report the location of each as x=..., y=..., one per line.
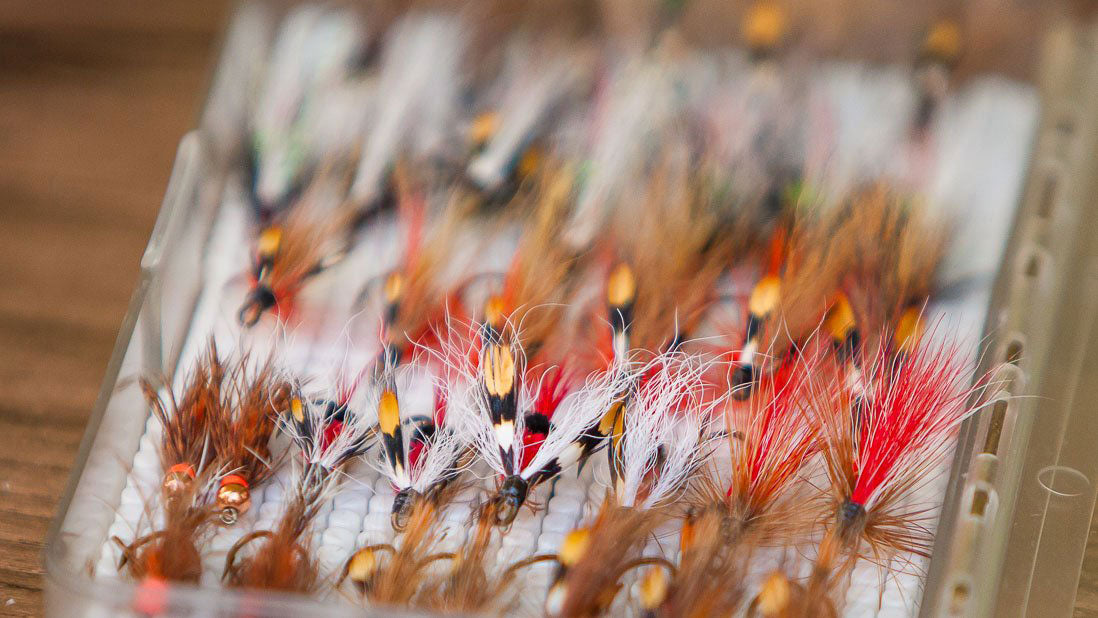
x=299, y=244
x=423, y=454
x=661, y=437
x=186, y=497
x=254, y=398
x=878, y=465
x=328, y=436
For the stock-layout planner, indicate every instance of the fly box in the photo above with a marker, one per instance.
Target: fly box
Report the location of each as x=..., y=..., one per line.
x=1008, y=162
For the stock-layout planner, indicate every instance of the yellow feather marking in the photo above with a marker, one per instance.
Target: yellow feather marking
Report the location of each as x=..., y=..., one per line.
x=388, y=413
x=615, y=449
x=687, y=534
x=908, y=330
x=493, y=312
x=765, y=296
x=483, y=128
x=840, y=319
x=764, y=25
x=574, y=546
x=394, y=287
x=530, y=162
x=653, y=587
x=606, y=424
x=498, y=370
x=270, y=242
x=619, y=425
x=621, y=286
x=944, y=41
x=362, y=566
x=297, y=409
x=774, y=595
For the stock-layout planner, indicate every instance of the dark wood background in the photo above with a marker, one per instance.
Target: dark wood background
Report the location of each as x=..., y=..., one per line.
x=94, y=97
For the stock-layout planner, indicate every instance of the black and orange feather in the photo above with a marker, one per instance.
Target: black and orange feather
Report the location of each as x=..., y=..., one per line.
x=675, y=250
x=299, y=243
x=417, y=299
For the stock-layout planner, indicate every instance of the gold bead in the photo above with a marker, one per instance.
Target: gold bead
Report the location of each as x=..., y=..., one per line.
x=233, y=499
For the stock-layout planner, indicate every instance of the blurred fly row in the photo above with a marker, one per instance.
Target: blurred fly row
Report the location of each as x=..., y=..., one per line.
x=708, y=302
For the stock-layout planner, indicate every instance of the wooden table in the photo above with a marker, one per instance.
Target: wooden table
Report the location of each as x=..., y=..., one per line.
x=93, y=99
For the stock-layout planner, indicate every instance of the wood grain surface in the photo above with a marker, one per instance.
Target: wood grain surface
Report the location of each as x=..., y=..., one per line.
x=94, y=97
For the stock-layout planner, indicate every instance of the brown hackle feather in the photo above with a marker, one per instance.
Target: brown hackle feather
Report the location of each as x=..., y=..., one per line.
x=541, y=277
x=709, y=579
x=819, y=253
x=469, y=582
x=616, y=538
x=316, y=231
x=896, y=260
x=400, y=580
x=555, y=302
x=835, y=560
x=412, y=559
x=283, y=559
x=187, y=421
x=780, y=596
x=771, y=444
x=172, y=552
x=672, y=241
x=905, y=429
x=248, y=417
x=427, y=300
